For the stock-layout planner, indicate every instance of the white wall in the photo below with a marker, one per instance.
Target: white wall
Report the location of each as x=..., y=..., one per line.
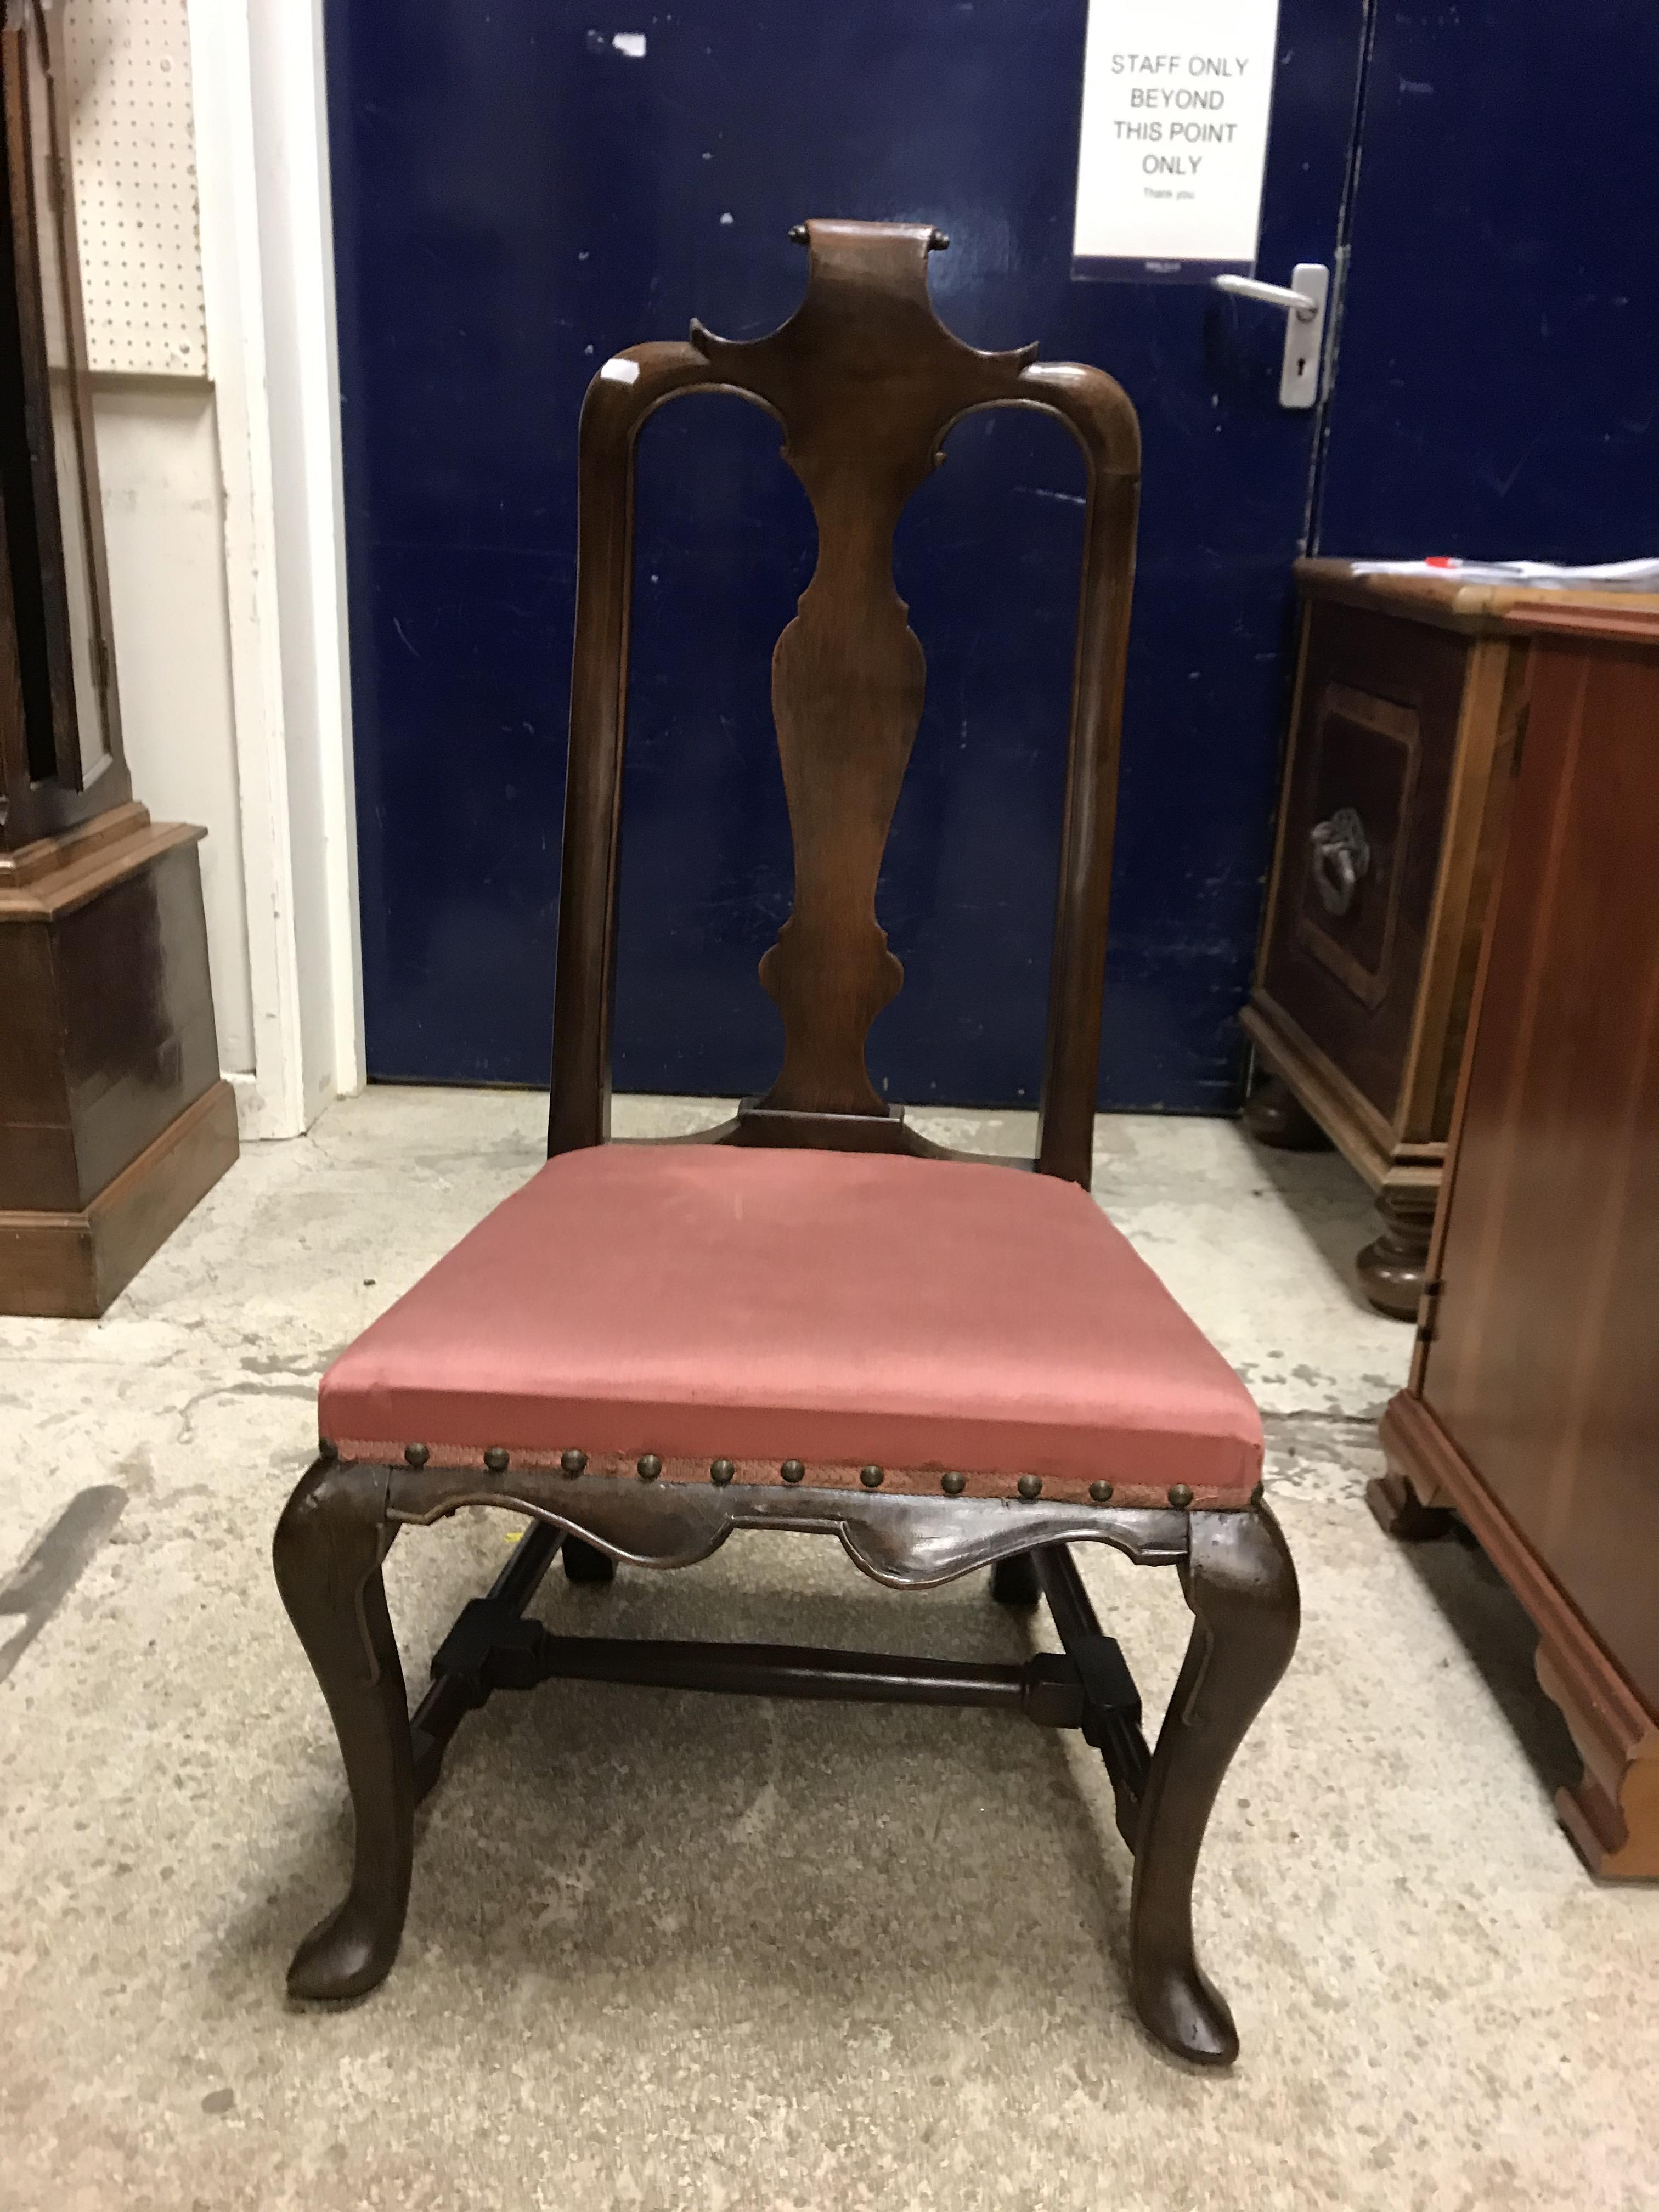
x=199, y=161
x=296, y=253
x=158, y=459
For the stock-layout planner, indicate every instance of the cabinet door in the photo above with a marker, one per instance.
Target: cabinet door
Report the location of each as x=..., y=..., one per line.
x=1375, y=748
x=1543, y=1370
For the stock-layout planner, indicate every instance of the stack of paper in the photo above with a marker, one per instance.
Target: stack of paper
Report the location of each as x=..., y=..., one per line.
x=1544, y=576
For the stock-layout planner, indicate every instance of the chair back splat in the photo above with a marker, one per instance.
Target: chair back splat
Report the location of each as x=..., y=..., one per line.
x=865, y=381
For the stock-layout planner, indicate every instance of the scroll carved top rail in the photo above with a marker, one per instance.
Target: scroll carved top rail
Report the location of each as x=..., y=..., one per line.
x=865, y=381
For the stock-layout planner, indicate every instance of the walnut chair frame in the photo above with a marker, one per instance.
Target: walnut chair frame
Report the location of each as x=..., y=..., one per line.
x=865, y=382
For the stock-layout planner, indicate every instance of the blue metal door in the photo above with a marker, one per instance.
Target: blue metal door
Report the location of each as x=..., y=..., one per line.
x=521, y=188
x=1500, y=395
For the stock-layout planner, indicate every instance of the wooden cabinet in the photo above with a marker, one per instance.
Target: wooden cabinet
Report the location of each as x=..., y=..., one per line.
x=1402, y=730
x=113, y=1119
x=1533, y=1404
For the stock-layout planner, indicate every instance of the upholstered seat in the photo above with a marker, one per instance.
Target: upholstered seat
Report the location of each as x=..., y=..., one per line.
x=699, y=1303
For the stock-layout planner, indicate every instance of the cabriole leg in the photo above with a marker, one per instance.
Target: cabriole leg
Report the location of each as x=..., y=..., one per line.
x=1242, y=1588
x=1014, y=1580
x=329, y=1545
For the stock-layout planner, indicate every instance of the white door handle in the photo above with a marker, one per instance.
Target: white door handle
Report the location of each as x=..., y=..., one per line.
x=1305, y=298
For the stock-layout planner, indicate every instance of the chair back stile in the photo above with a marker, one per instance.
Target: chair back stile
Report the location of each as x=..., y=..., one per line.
x=866, y=383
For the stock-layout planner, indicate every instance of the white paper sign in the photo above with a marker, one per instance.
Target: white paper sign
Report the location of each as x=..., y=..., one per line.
x=1176, y=101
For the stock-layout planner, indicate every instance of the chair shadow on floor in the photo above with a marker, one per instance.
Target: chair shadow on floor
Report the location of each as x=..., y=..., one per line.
x=592, y=1834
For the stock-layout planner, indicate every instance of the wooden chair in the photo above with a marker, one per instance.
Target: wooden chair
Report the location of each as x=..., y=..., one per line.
x=814, y=1319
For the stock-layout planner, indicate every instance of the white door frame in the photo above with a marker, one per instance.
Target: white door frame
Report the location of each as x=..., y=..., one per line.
x=268, y=281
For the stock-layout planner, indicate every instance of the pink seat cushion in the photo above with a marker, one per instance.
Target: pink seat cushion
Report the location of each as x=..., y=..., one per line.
x=701, y=1302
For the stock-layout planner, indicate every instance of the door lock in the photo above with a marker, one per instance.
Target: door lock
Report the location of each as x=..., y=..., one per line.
x=1303, y=299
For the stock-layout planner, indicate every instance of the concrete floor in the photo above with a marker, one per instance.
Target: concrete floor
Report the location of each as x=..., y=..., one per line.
x=670, y=1952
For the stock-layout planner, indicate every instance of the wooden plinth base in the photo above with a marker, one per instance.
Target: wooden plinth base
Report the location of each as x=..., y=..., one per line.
x=1612, y=1814
x=74, y=1264
x=1399, y=1511
x=113, y=1118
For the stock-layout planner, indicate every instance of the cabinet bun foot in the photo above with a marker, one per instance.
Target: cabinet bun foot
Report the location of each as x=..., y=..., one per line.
x=1392, y=1267
x=1274, y=1115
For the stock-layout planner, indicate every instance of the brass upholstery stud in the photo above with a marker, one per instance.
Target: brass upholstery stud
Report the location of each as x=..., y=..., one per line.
x=573, y=1462
x=327, y=1448
x=416, y=1455
x=1181, y=1495
x=1259, y=1495
x=650, y=1466
x=497, y=1459
x=720, y=1470
x=1030, y=1486
x=953, y=1485
x=869, y=1477
x=1101, y=1493
x=793, y=1470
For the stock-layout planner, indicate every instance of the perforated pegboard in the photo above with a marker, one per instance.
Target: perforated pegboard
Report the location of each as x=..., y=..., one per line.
x=133, y=153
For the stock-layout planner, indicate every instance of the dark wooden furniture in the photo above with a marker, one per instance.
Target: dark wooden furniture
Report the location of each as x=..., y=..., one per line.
x=1402, y=726
x=814, y=1321
x=114, y=1120
x=1533, y=1404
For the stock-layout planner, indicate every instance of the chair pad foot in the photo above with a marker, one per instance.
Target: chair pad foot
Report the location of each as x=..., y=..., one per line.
x=1188, y=2014
x=345, y=1956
